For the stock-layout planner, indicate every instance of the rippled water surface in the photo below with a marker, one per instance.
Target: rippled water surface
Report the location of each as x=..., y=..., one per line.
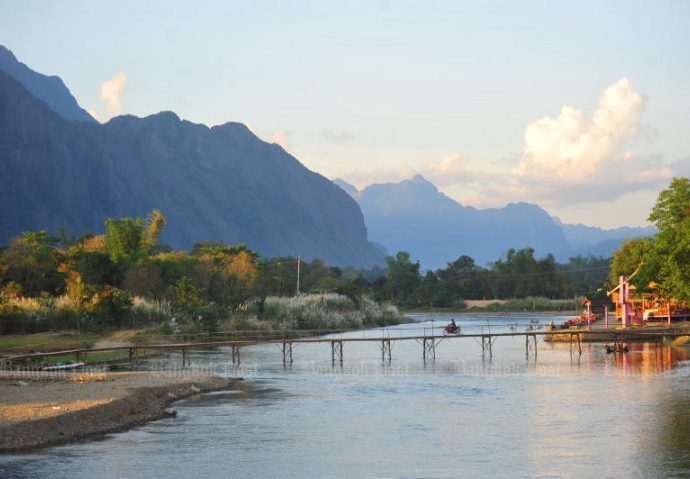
x=461, y=415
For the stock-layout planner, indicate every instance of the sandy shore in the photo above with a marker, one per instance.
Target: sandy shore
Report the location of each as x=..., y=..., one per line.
x=43, y=409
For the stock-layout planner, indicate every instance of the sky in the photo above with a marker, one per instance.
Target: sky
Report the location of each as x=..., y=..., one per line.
x=581, y=107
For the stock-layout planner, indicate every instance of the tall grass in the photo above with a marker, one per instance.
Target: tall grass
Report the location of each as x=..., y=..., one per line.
x=326, y=311
x=23, y=315
x=316, y=311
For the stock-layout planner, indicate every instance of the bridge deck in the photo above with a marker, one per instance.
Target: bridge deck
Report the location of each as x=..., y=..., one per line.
x=622, y=334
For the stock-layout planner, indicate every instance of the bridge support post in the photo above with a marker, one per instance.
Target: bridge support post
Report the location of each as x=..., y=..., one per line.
x=428, y=348
x=235, y=354
x=575, y=343
x=337, y=351
x=531, y=344
x=385, y=349
x=487, y=345
x=287, y=353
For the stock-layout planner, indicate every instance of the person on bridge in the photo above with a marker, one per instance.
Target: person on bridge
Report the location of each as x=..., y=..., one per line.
x=452, y=327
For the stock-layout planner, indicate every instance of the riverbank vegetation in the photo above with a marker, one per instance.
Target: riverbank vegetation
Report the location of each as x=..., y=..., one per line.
x=520, y=277
x=126, y=278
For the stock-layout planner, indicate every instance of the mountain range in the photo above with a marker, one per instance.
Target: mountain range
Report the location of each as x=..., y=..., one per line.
x=414, y=216
x=62, y=169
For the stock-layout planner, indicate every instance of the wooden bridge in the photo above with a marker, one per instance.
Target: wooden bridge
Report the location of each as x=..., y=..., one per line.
x=428, y=342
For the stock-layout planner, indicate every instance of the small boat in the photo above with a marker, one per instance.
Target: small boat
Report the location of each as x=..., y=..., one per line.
x=61, y=366
x=617, y=348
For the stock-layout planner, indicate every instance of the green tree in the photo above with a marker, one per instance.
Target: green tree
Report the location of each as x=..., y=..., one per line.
x=96, y=268
x=186, y=295
x=403, y=279
x=585, y=276
x=430, y=293
x=460, y=280
x=636, y=253
x=110, y=306
x=33, y=261
x=671, y=252
x=125, y=238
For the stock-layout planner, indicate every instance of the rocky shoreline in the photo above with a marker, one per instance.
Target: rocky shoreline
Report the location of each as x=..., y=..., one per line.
x=45, y=410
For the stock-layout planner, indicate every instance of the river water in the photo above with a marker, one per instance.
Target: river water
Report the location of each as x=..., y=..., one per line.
x=460, y=415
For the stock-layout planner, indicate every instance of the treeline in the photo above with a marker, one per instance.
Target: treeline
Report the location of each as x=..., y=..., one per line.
x=127, y=278
x=518, y=275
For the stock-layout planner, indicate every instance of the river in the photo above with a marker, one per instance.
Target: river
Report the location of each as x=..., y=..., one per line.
x=460, y=415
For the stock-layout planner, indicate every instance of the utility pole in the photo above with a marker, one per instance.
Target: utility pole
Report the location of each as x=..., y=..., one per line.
x=298, y=267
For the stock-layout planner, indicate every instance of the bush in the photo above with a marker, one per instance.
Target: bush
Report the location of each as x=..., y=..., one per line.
x=110, y=303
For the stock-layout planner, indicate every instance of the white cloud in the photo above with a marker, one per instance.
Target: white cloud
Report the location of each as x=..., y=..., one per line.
x=450, y=170
x=574, y=146
x=447, y=171
x=338, y=136
x=576, y=157
x=111, y=95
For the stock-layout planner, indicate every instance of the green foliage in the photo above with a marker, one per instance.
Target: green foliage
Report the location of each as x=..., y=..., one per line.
x=635, y=253
x=96, y=268
x=664, y=261
x=669, y=259
x=185, y=295
x=672, y=208
x=110, y=305
x=585, y=276
x=125, y=278
x=33, y=261
x=521, y=275
x=125, y=238
x=402, y=281
x=217, y=248
x=146, y=279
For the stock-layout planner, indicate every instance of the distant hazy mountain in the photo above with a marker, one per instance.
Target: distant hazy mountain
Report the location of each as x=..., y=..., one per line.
x=581, y=236
x=49, y=89
x=414, y=216
x=220, y=183
x=349, y=189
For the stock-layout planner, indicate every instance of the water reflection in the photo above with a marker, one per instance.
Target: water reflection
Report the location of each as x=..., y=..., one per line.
x=649, y=358
x=556, y=415
x=671, y=437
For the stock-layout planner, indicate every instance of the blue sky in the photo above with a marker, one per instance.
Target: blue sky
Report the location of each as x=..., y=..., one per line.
x=376, y=91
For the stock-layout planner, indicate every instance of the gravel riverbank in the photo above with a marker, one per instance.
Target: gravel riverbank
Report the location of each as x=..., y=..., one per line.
x=44, y=409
